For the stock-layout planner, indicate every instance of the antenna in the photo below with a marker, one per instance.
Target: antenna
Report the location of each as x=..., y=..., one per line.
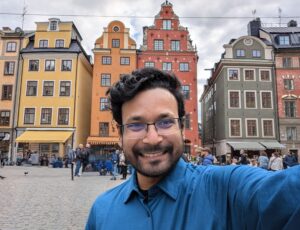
x=24, y=13
x=253, y=13
x=279, y=15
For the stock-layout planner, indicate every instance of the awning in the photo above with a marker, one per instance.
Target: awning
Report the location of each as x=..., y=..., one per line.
x=246, y=146
x=103, y=140
x=272, y=145
x=44, y=137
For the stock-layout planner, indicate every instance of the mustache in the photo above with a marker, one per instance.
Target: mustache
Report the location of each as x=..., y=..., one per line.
x=150, y=149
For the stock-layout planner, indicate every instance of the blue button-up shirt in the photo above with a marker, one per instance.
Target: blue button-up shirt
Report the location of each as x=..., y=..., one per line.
x=200, y=197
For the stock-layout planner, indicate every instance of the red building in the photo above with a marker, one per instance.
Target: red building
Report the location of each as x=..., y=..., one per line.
x=167, y=46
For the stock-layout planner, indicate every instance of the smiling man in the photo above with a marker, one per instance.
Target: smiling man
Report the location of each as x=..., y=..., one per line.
x=165, y=192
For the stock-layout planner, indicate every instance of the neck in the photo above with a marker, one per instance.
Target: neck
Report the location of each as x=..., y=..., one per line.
x=145, y=182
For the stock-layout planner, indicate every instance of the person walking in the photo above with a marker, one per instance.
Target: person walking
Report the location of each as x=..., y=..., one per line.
x=275, y=162
x=115, y=162
x=78, y=159
x=86, y=154
x=207, y=158
x=290, y=160
x=123, y=165
x=263, y=160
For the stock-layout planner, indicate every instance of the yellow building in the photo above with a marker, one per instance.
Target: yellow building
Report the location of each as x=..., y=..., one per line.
x=11, y=42
x=114, y=55
x=54, y=100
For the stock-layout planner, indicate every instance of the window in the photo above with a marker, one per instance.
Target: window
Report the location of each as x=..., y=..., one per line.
x=265, y=75
x=235, y=127
x=167, y=24
x=256, y=53
x=4, y=118
x=288, y=84
x=240, y=53
x=167, y=66
x=31, y=89
x=46, y=116
x=115, y=43
x=116, y=29
x=49, y=65
x=149, y=64
x=175, y=45
x=286, y=62
x=29, y=116
x=43, y=44
x=234, y=99
x=63, y=116
x=290, y=108
x=124, y=60
x=106, y=60
x=233, y=75
x=7, y=92
x=48, y=88
x=250, y=99
x=9, y=68
x=249, y=75
x=251, y=125
x=184, y=67
x=268, y=128
x=266, y=100
x=186, y=91
x=53, y=25
x=103, y=104
x=284, y=40
x=59, y=43
x=187, y=121
x=158, y=44
x=103, y=129
x=11, y=47
x=65, y=88
x=66, y=65
x=33, y=65
x=105, y=79
x=291, y=133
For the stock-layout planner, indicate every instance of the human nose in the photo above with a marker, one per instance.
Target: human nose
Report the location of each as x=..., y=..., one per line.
x=152, y=136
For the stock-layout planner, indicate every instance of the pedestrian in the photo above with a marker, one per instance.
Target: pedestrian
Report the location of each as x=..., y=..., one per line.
x=290, y=160
x=263, y=160
x=164, y=192
x=78, y=159
x=86, y=154
x=115, y=163
x=275, y=162
x=123, y=165
x=207, y=158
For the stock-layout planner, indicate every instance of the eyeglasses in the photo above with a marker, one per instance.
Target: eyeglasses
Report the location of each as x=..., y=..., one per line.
x=138, y=130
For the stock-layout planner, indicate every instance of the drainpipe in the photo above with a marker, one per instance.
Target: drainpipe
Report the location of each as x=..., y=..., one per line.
x=75, y=99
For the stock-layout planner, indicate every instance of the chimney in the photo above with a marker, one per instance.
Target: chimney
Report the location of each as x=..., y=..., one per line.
x=6, y=28
x=253, y=27
x=292, y=23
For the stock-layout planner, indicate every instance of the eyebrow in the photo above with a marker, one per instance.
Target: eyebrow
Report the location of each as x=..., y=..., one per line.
x=139, y=118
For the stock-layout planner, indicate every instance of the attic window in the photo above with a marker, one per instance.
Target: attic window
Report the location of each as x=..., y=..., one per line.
x=116, y=29
x=53, y=26
x=284, y=40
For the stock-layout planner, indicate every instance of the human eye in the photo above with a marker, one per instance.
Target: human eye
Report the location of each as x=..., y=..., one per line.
x=165, y=123
x=135, y=127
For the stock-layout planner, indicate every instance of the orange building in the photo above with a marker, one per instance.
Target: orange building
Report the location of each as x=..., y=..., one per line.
x=114, y=55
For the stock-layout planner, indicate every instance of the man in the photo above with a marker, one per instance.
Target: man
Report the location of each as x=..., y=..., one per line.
x=207, y=158
x=115, y=163
x=79, y=159
x=263, y=160
x=290, y=160
x=86, y=154
x=165, y=192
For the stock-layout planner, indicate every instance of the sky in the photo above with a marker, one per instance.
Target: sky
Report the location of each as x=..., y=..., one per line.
x=211, y=23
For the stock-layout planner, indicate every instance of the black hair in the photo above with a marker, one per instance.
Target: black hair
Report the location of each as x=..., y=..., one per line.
x=140, y=80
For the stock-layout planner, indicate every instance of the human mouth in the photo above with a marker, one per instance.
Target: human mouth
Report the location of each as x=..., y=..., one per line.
x=152, y=154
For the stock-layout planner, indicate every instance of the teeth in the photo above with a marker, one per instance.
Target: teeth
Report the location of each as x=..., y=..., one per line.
x=152, y=154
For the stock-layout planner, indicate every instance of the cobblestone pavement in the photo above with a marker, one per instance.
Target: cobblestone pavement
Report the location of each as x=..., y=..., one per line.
x=47, y=198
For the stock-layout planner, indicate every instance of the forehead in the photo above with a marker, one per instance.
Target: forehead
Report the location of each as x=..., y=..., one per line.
x=150, y=105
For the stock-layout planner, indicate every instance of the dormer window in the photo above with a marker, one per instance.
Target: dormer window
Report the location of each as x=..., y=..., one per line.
x=166, y=24
x=284, y=40
x=53, y=24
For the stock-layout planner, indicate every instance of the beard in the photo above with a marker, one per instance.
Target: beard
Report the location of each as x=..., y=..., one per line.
x=154, y=161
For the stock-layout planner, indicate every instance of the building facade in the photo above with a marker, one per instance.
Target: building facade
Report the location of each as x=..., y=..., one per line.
x=11, y=42
x=286, y=44
x=239, y=109
x=55, y=91
x=114, y=55
x=167, y=46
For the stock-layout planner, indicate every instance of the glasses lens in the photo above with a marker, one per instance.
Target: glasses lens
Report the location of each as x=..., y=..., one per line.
x=167, y=126
x=135, y=127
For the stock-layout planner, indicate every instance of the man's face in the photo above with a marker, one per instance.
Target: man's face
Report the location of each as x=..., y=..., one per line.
x=152, y=155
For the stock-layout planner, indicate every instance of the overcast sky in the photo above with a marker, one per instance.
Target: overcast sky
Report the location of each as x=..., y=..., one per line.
x=208, y=31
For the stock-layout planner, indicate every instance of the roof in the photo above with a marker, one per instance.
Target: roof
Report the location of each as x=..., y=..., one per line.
x=281, y=30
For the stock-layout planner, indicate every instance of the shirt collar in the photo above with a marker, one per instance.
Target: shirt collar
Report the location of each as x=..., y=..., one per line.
x=170, y=185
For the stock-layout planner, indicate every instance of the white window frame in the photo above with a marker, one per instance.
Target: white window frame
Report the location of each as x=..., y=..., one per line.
x=260, y=94
x=29, y=65
x=37, y=88
x=246, y=126
x=255, y=52
x=49, y=26
x=70, y=88
x=167, y=24
x=61, y=40
x=229, y=124
x=57, y=117
x=43, y=46
x=146, y=64
x=238, y=71
x=245, y=104
x=54, y=65
x=240, y=53
x=260, y=70
x=229, y=91
x=43, y=88
x=254, y=76
x=168, y=65
x=52, y=110
x=35, y=115
x=262, y=127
